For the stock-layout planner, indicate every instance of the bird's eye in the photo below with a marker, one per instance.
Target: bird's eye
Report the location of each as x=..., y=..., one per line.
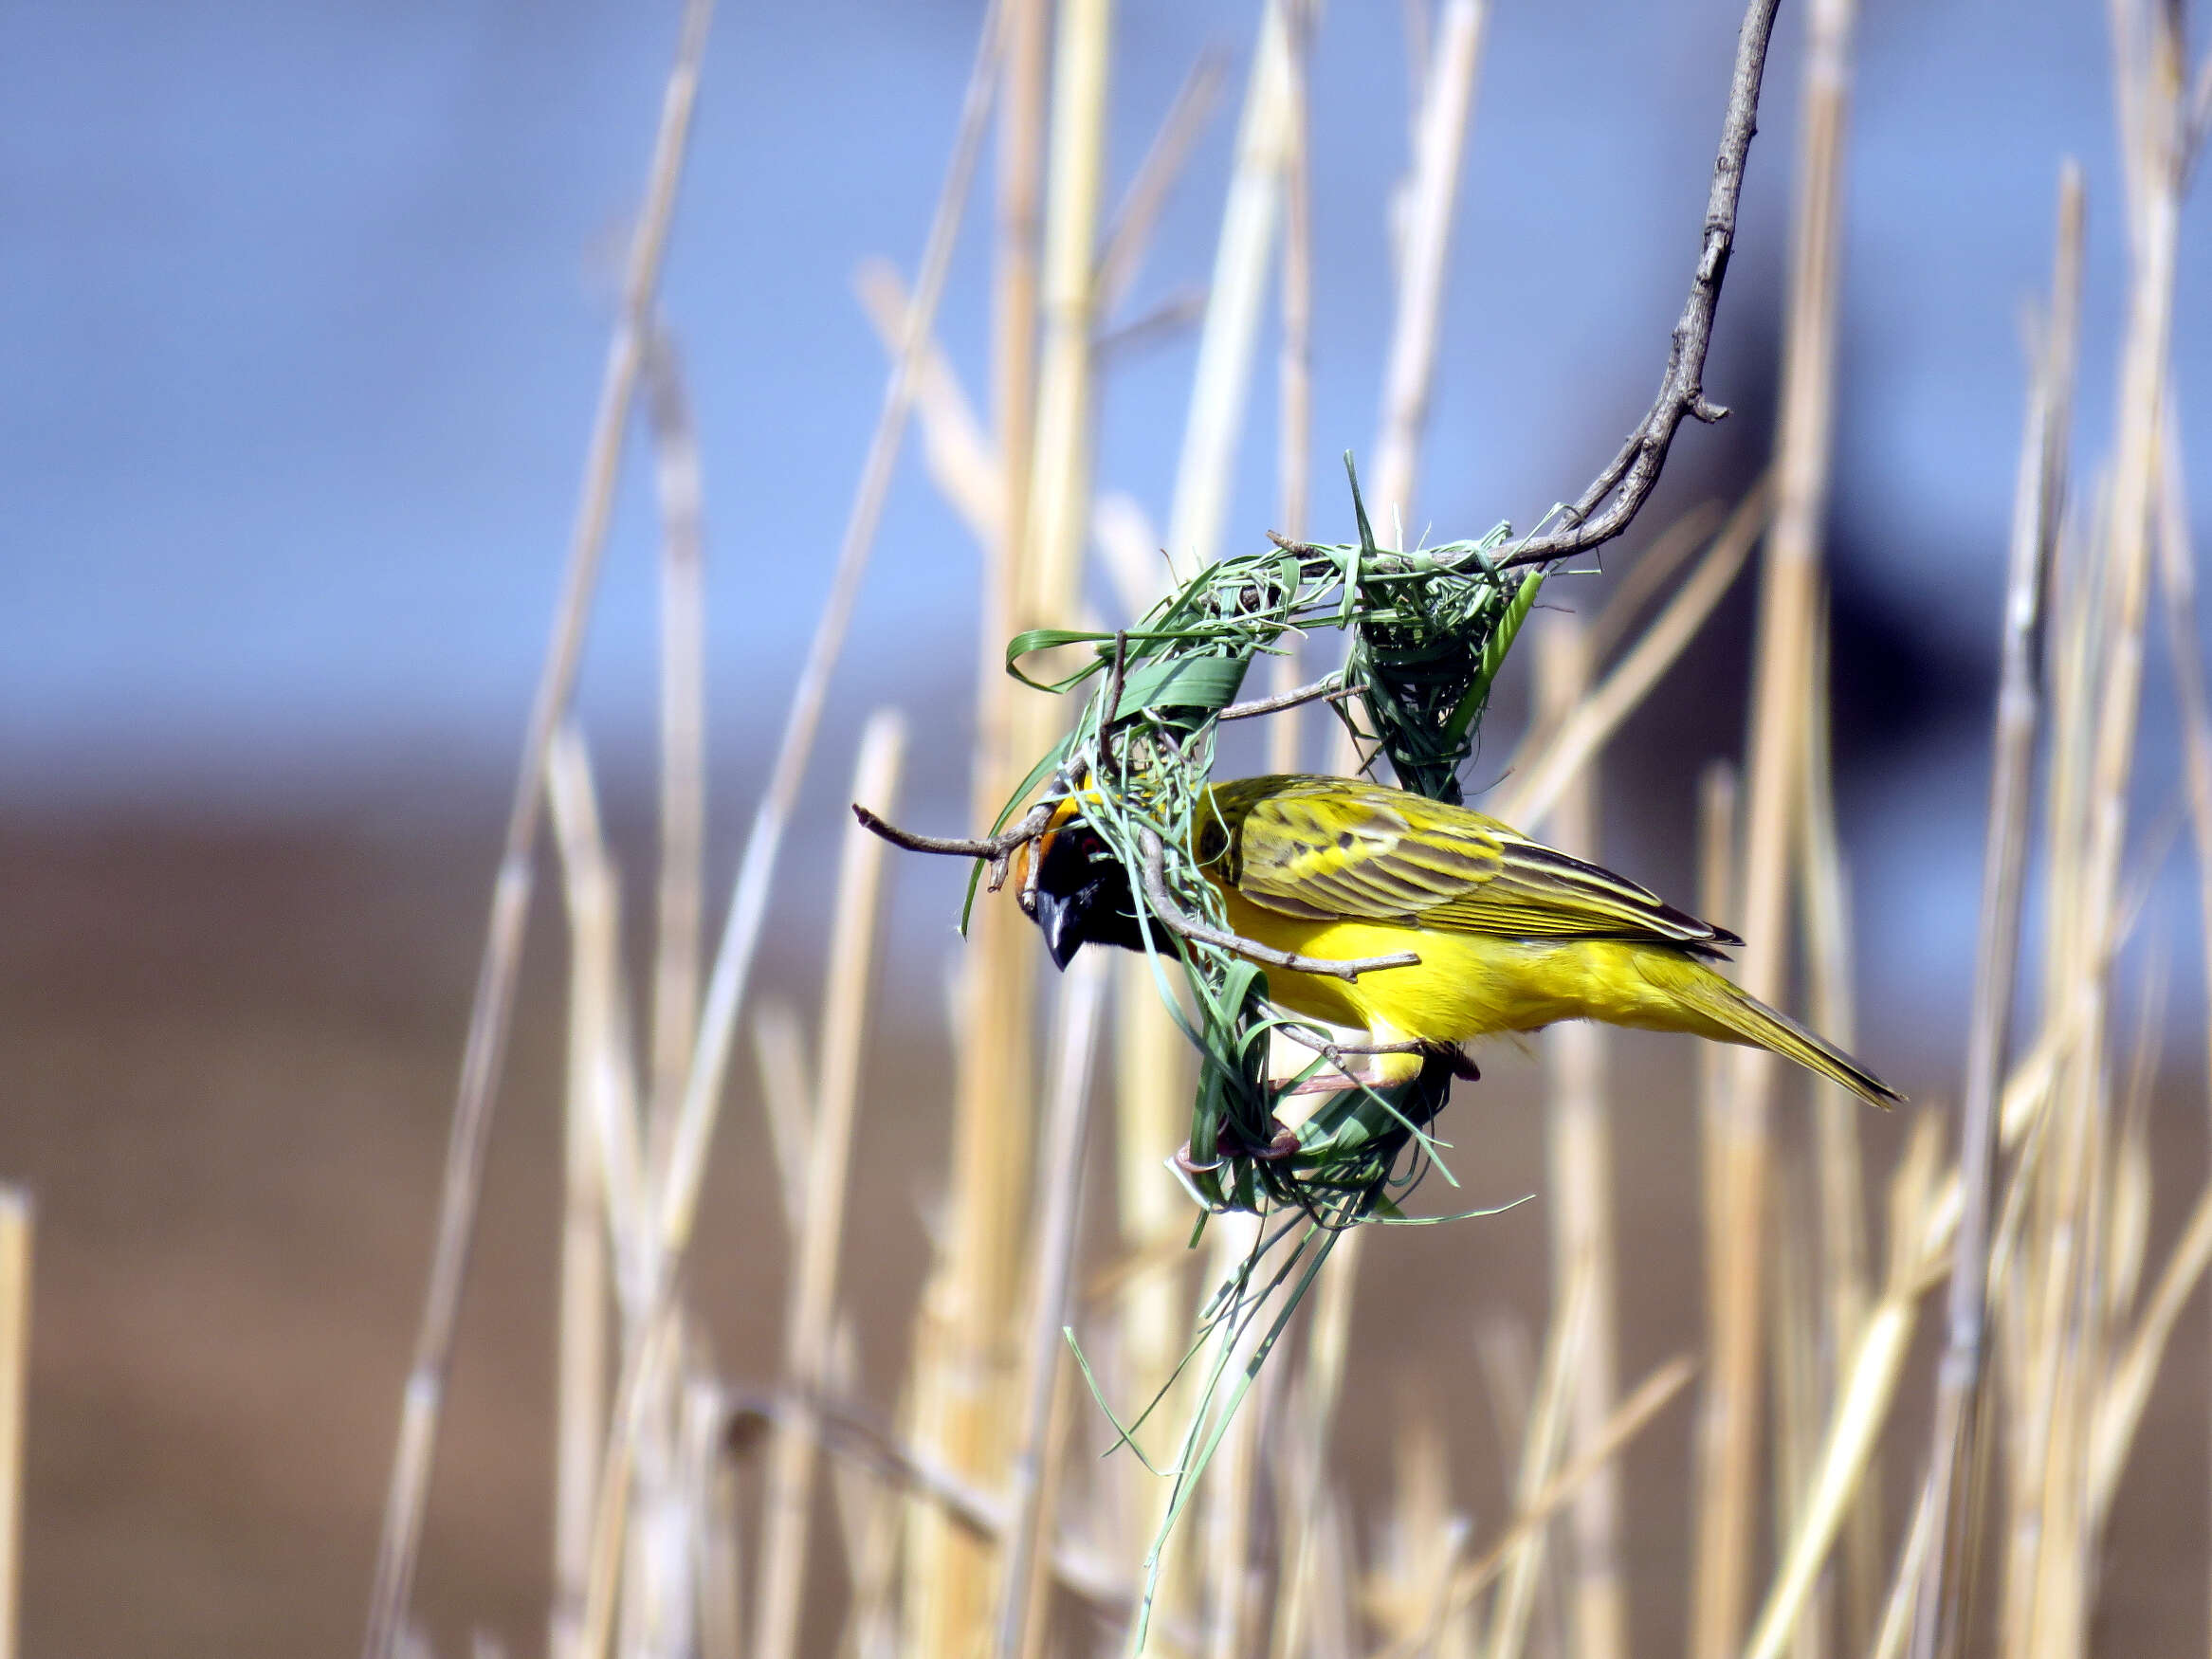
x=1211, y=842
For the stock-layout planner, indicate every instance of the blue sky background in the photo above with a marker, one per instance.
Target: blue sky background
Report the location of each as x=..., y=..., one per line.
x=303, y=311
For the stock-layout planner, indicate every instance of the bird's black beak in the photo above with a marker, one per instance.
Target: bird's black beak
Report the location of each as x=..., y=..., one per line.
x=1061, y=915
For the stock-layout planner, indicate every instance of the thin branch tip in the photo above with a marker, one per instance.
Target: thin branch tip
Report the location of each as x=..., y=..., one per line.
x=1617, y=494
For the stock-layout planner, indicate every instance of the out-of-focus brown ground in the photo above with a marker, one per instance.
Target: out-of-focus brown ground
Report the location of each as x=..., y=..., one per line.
x=228, y=1058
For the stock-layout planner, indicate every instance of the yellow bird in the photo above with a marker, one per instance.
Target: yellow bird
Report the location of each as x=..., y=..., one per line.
x=1511, y=936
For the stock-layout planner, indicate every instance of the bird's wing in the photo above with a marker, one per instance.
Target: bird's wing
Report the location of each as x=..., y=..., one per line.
x=1352, y=851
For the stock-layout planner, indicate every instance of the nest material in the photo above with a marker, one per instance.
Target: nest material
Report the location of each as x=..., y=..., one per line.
x=1427, y=632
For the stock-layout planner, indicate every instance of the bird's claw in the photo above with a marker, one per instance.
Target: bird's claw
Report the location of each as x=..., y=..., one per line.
x=1283, y=1144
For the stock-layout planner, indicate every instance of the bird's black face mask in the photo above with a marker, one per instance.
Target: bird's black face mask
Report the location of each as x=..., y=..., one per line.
x=1080, y=895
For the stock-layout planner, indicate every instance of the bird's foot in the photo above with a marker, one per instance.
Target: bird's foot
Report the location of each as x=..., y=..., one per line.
x=1387, y=1065
x=1283, y=1144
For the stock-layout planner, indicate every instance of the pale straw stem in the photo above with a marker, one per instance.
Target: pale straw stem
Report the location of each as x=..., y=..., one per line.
x=492, y=1009
x=810, y=1319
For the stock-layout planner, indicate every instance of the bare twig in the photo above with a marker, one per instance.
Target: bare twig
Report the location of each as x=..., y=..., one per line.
x=491, y=1013
x=1617, y=494
x=1328, y=686
x=995, y=848
x=1177, y=920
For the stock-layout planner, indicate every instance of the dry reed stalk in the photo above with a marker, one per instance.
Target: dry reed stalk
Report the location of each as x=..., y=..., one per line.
x=2148, y=64
x=1027, y=33
x=1060, y=1205
x=686, y=1165
x=1855, y=1426
x=1294, y=357
x=581, y=1376
x=661, y=1583
x=1439, y=128
x=1579, y=732
x=15, y=1261
x=1206, y=469
x=1844, y=1291
x=603, y=1093
x=2037, y=507
x=1421, y=222
x=1152, y=1082
x=1449, y=1635
x=959, y=1396
x=1720, y=887
x=871, y=1614
x=849, y=1433
x=1644, y=1403
x=1235, y=1626
x=1304, y=1544
x=786, y=1506
x=1719, y=826
x=1793, y=1350
x=1581, y=1166
x=2078, y=608
x=675, y=982
x=1543, y=1449
x=1137, y=216
x=1299, y=1469
x=2127, y=1233
x=714, y=1498
x=996, y=994
x=961, y=460
x=1431, y=189
x=604, y=1096
x=654, y=1344
x=492, y=1009
x=592, y=894
x=1649, y=575
x=786, y=1090
x=851, y=1486
x=2126, y=1387
x=2178, y=579
x=1416, y=1548
x=1152, y=1064
x=1729, y=1458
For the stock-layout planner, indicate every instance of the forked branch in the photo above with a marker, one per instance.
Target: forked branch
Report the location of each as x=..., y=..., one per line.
x=996, y=848
x=1614, y=497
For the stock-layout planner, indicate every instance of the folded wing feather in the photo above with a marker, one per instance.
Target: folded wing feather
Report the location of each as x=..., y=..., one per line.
x=1335, y=849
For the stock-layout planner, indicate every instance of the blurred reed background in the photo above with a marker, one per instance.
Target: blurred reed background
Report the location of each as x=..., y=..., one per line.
x=743, y=1334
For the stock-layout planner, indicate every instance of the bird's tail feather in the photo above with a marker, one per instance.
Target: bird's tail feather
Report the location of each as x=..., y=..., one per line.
x=1748, y=1020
